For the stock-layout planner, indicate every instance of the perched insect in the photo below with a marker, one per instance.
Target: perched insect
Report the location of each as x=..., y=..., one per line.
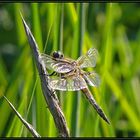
x=68, y=74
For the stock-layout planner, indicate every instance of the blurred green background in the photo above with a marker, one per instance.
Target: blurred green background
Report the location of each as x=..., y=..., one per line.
x=73, y=28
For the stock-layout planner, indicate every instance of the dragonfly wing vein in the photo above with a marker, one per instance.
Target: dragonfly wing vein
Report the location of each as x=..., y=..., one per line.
x=73, y=83
x=92, y=79
x=57, y=65
x=88, y=60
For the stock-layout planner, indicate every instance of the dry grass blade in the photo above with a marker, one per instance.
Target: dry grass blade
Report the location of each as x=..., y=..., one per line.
x=50, y=98
x=28, y=126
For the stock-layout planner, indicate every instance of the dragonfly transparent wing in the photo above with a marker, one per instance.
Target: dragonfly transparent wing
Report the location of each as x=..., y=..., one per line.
x=73, y=83
x=88, y=60
x=58, y=65
x=92, y=78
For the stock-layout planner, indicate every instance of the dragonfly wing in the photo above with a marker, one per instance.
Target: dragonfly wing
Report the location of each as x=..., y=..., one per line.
x=88, y=60
x=57, y=65
x=48, y=61
x=73, y=83
x=92, y=78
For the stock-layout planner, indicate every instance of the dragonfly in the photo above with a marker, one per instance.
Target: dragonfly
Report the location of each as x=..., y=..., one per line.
x=69, y=75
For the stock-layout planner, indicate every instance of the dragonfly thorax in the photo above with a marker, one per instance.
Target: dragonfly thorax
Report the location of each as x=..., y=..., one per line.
x=57, y=55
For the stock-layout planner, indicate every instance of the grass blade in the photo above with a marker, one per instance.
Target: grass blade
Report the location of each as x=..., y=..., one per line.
x=48, y=93
x=28, y=126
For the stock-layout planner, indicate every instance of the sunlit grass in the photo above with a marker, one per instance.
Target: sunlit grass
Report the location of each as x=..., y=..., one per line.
x=72, y=28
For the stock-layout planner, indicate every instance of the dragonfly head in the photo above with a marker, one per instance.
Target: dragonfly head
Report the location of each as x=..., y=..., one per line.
x=58, y=55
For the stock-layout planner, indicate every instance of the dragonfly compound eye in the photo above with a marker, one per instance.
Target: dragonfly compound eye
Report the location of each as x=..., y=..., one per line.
x=56, y=55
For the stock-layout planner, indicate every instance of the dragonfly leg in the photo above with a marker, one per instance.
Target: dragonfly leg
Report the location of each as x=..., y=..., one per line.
x=62, y=76
x=51, y=74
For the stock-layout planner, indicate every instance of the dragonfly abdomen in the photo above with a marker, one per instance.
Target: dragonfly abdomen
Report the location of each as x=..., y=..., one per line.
x=94, y=104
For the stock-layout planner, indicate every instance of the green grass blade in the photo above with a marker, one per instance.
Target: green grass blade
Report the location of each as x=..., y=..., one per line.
x=36, y=25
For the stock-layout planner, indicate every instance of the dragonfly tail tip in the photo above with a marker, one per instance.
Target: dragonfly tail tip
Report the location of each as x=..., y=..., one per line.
x=107, y=120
